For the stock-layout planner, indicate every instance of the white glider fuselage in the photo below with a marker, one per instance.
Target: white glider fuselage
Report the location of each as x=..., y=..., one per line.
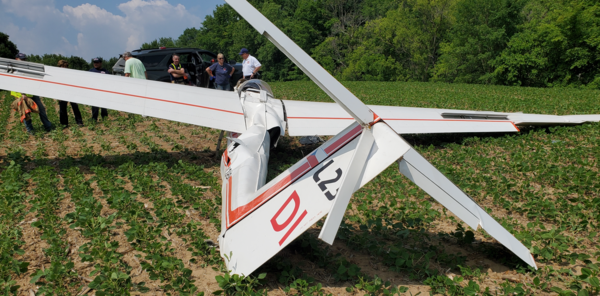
x=246, y=158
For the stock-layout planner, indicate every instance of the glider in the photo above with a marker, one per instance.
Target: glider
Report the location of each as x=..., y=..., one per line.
x=258, y=219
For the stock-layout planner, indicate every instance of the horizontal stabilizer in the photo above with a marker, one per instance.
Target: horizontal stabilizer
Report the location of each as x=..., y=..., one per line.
x=426, y=176
x=193, y=105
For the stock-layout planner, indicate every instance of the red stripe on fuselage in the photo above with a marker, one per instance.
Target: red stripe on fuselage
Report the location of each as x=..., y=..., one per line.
x=344, y=139
x=243, y=211
x=312, y=160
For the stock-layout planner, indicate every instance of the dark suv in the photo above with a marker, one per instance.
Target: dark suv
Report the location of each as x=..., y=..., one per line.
x=195, y=61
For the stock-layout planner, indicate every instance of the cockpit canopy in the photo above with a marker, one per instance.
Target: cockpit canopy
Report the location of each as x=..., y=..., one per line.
x=255, y=85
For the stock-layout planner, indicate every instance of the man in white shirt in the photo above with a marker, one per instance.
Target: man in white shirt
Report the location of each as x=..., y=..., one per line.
x=251, y=65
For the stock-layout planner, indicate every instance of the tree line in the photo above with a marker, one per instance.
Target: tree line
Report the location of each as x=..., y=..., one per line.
x=541, y=43
x=9, y=50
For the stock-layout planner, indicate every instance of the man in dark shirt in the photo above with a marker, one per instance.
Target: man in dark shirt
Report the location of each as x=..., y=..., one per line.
x=176, y=72
x=64, y=116
x=221, y=72
x=98, y=69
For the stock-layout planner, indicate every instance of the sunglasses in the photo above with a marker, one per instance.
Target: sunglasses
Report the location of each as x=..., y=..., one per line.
x=221, y=58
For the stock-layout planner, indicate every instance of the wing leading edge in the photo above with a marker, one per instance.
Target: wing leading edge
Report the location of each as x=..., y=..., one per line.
x=193, y=105
x=316, y=118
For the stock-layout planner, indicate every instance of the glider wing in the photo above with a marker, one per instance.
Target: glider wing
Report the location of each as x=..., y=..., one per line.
x=193, y=105
x=316, y=118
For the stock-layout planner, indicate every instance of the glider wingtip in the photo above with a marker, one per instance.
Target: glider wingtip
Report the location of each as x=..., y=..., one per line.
x=532, y=263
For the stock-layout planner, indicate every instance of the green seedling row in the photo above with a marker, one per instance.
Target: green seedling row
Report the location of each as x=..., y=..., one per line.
x=12, y=212
x=58, y=278
x=111, y=275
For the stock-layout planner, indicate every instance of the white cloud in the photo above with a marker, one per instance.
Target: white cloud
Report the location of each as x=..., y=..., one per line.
x=88, y=30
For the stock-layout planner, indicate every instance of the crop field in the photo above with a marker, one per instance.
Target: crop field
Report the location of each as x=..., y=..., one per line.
x=131, y=205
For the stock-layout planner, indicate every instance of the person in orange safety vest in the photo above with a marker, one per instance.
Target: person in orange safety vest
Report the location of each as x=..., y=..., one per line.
x=38, y=102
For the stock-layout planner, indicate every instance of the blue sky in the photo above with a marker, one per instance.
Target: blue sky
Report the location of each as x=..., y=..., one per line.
x=97, y=28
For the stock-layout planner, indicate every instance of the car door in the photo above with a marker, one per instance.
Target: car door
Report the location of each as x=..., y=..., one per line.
x=208, y=59
x=201, y=75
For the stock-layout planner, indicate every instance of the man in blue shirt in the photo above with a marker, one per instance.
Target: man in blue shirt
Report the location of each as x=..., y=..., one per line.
x=98, y=69
x=220, y=72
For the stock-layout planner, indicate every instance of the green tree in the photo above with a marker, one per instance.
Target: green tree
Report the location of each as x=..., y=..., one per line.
x=7, y=48
x=304, y=23
x=156, y=43
x=375, y=9
x=75, y=62
x=557, y=45
x=108, y=64
x=511, y=42
x=404, y=45
x=188, y=37
x=480, y=32
x=226, y=32
x=344, y=22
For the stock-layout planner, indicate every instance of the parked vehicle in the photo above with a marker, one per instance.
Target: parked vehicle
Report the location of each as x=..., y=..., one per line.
x=193, y=60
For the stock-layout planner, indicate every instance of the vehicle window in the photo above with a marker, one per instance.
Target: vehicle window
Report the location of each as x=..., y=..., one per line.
x=120, y=63
x=207, y=57
x=152, y=60
x=184, y=58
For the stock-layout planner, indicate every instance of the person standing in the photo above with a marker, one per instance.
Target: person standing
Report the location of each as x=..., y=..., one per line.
x=42, y=109
x=64, y=117
x=98, y=69
x=221, y=72
x=176, y=72
x=250, y=65
x=133, y=67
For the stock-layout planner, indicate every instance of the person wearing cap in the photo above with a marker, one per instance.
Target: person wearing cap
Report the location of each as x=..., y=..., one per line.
x=42, y=109
x=64, y=117
x=221, y=72
x=133, y=67
x=250, y=65
x=21, y=57
x=176, y=72
x=98, y=69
